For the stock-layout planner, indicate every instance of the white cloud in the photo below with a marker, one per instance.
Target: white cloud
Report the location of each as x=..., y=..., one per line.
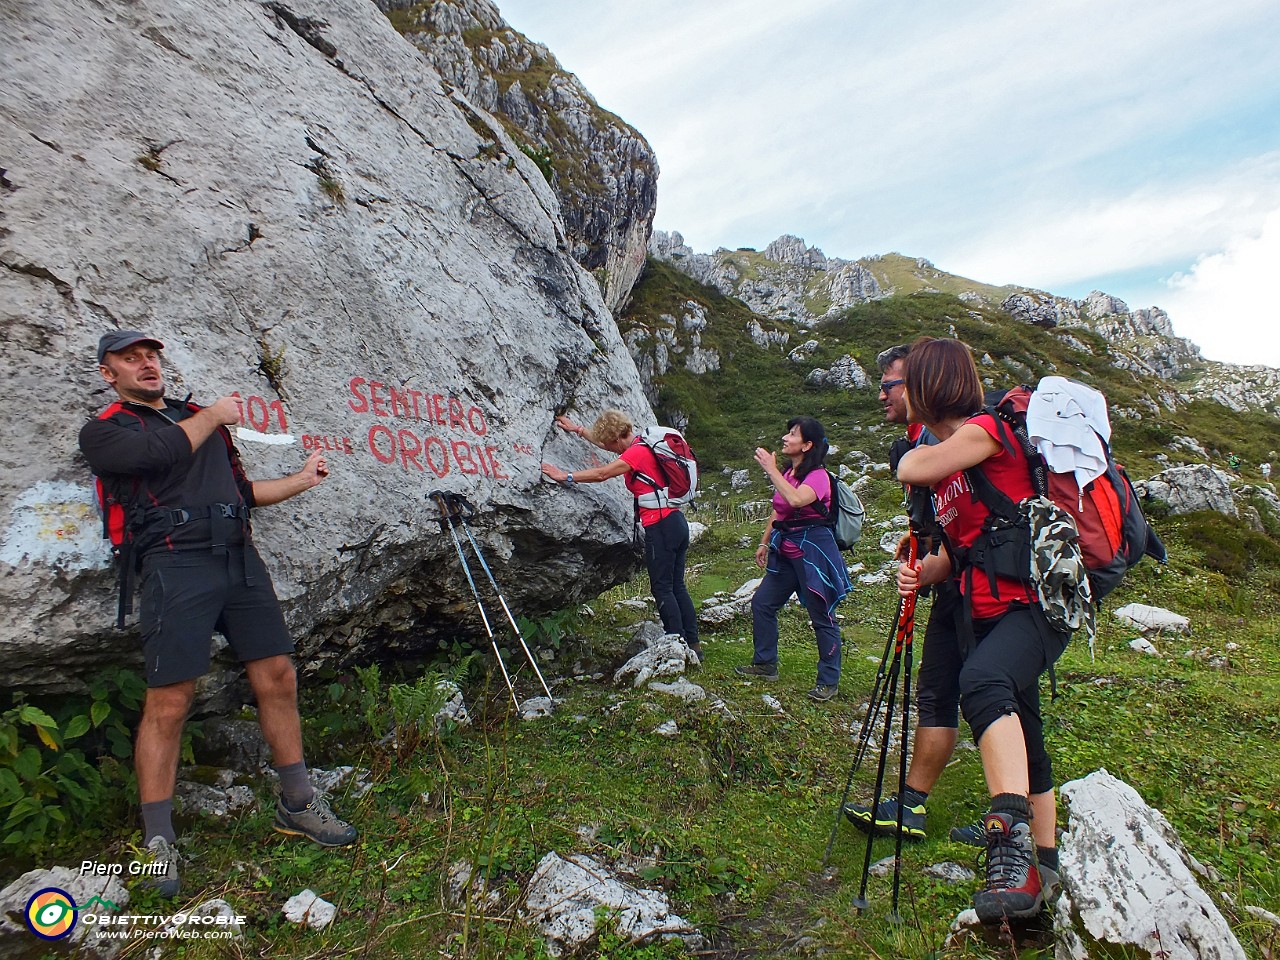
x=1053, y=144
x=1054, y=242
x=1226, y=303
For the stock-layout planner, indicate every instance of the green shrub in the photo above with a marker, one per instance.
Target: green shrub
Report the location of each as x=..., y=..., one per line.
x=45, y=781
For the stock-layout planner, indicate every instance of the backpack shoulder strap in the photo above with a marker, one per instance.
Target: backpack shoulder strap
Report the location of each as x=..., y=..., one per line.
x=660, y=472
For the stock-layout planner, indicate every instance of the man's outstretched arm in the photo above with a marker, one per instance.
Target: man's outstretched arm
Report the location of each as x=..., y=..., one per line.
x=313, y=472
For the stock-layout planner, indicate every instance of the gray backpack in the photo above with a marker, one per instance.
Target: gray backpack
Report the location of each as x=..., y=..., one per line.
x=846, y=514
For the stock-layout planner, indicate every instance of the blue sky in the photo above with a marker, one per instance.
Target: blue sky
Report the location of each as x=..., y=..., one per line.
x=1067, y=145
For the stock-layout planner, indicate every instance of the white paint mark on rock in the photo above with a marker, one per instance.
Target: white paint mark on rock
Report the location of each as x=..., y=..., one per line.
x=271, y=439
x=58, y=524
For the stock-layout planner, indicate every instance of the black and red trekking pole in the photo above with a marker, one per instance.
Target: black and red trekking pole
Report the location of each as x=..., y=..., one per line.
x=899, y=647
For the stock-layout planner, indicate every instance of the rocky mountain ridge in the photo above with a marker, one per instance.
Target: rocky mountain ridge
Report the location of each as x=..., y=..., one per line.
x=603, y=171
x=798, y=287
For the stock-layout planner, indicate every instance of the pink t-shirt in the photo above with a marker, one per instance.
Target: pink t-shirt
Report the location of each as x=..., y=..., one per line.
x=816, y=480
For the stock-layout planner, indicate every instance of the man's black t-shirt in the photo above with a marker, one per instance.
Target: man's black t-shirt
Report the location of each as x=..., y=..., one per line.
x=143, y=456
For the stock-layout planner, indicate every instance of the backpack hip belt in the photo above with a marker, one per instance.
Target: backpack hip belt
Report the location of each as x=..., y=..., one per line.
x=224, y=519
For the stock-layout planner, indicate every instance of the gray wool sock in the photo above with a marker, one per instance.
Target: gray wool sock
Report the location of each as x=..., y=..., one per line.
x=295, y=786
x=157, y=821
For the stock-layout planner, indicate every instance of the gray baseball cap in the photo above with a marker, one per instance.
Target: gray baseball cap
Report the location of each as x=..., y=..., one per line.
x=119, y=339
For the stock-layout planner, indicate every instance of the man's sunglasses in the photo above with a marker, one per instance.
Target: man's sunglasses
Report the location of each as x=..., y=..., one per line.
x=887, y=385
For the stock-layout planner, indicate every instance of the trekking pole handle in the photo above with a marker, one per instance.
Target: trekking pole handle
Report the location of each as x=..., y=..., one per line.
x=443, y=502
x=461, y=506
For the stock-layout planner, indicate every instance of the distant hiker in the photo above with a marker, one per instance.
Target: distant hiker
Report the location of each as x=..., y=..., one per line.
x=1233, y=463
x=666, y=531
x=938, y=687
x=1265, y=468
x=1012, y=641
x=800, y=557
x=171, y=470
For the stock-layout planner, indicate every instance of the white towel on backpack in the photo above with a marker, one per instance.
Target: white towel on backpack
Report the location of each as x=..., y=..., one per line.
x=1068, y=423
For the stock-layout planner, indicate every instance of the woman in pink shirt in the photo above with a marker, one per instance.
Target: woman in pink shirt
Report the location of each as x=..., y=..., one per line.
x=800, y=556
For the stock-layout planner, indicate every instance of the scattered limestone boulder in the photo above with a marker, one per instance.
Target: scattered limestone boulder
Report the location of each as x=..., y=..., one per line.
x=220, y=798
x=844, y=374
x=949, y=872
x=1154, y=620
x=802, y=352
x=722, y=609
x=307, y=908
x=1128, y=880
x=463, y=882
x=536, y=707
x=890, y=541
x=1189, y=489
x=666, y=658
x=566, y=895
x=667, y=728
x=455, y=706
x=98, y=894
x=1143, y=645
x=682, y=689
x=357, y=780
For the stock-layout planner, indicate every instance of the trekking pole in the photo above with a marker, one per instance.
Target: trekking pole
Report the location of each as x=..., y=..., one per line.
x=905, y=634
x=874, y=703
x=447, y=516
x=908, y=646
x=461, y=502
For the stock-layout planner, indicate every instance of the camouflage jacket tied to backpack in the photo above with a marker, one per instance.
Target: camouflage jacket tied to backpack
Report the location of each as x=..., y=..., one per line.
x=1036, y=543
x=1057, y=568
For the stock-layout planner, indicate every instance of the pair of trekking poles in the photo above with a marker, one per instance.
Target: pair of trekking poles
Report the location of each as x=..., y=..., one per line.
x=454, y=511
x=898, y=648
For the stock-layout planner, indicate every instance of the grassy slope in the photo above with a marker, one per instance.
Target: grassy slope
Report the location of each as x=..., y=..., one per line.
x=904, y=275
x=732, y=815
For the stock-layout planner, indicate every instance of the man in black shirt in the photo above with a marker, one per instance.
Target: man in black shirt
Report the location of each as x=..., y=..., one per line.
x=171, y=469
x=938, y=689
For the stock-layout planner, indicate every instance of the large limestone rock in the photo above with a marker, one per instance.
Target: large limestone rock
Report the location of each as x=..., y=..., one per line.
x=99, y=895
x=1189, y=489
x=1128, y=880
x=288, y=196
x=1238, y=387
x=567, y=895
x=603, y=171
x=1040, y=309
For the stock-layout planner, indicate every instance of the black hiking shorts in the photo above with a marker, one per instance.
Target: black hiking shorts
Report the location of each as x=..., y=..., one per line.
x=187, y=595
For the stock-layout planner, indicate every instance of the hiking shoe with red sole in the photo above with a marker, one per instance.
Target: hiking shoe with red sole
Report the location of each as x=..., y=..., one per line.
x=1013, y=879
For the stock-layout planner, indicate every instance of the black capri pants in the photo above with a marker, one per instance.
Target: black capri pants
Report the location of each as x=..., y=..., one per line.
x=1001, y=676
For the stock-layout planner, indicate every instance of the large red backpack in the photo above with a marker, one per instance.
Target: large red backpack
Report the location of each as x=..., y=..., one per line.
x=676, y=480
x=1114, y=534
